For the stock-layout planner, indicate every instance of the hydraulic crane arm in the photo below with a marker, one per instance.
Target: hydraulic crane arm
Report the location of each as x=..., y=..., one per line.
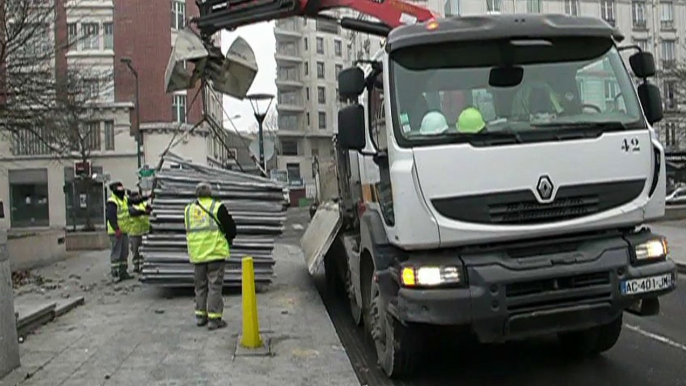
x=230, y=14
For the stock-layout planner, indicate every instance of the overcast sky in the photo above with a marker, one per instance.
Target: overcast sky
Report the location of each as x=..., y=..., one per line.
x=261, y=39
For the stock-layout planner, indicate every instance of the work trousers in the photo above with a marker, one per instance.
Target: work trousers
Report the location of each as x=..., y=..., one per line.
x=119, y=255
x=209, y=281
x=137, y=260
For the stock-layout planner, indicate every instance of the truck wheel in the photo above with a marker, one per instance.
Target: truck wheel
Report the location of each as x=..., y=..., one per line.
x=397, y=347
x=592, y=341
x=355, y=309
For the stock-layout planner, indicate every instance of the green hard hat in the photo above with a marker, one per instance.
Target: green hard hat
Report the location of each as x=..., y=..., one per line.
x=470, y=121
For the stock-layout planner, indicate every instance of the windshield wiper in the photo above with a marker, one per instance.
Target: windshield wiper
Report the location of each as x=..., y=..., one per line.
x=605, y=126
x=502, y=137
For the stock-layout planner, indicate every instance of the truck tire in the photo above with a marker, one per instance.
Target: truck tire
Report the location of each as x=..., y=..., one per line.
x=397, y=345
x=592, y=341
x=334, y=284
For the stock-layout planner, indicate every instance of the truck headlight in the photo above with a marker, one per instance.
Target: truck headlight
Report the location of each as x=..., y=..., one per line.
x=430, y=276
x=652, y=249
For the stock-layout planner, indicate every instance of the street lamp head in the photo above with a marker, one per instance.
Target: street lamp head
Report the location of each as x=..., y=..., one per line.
x=260, y=104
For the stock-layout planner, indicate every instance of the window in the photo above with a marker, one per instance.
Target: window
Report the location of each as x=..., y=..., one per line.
x=178, y=14
x=321, y=95
x=670, y=94
x=642, y=43
x=671, y=138
x=289, y=147
x=307, y=93
x=338, y=47
x=91, y=136
x=179, y=109
x=607, y=10
x=31, y=141
x=72, y=35
x=451, y=8
x=572, y=7
x=320, y=45
x=611, y=93
x=308, y=119
x=493, y=5
x=307, y=68
x=668, y=52
x=288, y=49
x=288, y=122
x=666, y=15
x=638, y=10
x=293, y=170
x=339, y=68
x=109, y=135
x=322, y=120
x=91, y=89
x=90, y=36
x=290, y=98
x=307, y=46
x=533, y=6
x=320, y=70
x=108, y=31
x=29, y=198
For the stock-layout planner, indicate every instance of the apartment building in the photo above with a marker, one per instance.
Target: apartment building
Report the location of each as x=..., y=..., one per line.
x=37, y=189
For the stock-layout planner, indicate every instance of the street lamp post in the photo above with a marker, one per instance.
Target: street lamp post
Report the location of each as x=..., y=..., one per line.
x=127, y=62
x=260, y=115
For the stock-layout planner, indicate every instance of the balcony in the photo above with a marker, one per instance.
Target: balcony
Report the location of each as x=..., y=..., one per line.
x=287, y=29
x=640, y=25
x=667, y=25
x=290, y=106
x=287, y=54
x=288, y=83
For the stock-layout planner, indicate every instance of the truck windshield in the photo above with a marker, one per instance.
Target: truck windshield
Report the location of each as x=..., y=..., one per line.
x=464, y=90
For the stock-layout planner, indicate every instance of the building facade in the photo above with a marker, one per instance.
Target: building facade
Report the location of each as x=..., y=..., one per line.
x=39, y=190
x=310, y=54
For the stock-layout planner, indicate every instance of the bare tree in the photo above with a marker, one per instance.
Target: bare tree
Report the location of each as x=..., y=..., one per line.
x=270, y=124
x=47, y=109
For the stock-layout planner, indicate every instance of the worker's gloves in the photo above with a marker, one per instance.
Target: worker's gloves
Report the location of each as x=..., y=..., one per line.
x=117, y=233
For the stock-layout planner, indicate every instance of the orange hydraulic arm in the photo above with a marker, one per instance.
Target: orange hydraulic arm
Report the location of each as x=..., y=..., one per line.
x=230, y=14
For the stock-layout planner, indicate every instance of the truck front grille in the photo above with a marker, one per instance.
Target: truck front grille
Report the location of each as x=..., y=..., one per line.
x=528, y=212
x=558, y=292
x=522, y=207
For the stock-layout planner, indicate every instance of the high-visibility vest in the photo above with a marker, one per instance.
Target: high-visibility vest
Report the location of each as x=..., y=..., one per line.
x=140, y=225
x=123, y=218
x=204, y=239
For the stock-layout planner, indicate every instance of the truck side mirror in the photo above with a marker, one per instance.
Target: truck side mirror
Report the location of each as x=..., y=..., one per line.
x=651, y=100
x=351, y=133
x=351, y=83
x=642, y=64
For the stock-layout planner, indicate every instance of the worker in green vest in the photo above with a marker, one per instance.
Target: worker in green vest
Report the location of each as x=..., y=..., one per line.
x=140, y=225
x=210, y=231
x=118, y=228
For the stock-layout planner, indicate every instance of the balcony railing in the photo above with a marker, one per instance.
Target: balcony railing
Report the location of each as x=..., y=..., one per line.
x=640, y=24
x=291, y=50
x=667, y=24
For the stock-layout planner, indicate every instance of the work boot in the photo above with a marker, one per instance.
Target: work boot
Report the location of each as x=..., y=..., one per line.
x=215, y=324
x=200, y=321
x=124, y=276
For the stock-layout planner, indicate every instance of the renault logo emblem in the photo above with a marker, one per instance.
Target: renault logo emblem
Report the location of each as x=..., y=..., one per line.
x=545, y=188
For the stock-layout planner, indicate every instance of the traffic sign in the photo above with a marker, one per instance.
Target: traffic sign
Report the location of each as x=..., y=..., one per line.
x=146, y=171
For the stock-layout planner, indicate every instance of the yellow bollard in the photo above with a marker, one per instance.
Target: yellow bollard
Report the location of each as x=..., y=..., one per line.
x=251, y=324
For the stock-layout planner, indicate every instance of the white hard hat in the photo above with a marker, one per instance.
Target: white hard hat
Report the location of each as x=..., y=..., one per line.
x=433, y=122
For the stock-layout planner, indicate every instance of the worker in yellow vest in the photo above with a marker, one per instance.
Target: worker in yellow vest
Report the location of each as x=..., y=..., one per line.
x=118, y=228
x=210, y=231
x=140, y=225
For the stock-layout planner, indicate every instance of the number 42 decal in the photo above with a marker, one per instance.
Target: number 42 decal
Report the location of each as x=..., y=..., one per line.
x=631, y=145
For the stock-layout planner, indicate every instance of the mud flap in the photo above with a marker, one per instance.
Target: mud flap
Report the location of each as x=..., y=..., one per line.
x=231, y=75
x=320, y=234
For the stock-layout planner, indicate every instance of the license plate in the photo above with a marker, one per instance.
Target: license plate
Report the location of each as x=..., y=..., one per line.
x=646, y=284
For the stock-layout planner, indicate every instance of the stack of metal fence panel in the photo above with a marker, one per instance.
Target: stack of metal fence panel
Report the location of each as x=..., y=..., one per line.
x=257, y=205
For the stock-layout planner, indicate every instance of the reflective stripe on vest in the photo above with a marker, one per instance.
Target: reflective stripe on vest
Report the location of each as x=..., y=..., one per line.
x=123, y=218
x=204, y=239
x=140, y=225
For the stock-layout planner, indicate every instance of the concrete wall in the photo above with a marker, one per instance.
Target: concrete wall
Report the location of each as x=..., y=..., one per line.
x=87, y=241
x=29, y=250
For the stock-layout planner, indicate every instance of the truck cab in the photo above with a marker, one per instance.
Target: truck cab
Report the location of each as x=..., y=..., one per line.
x=503, y=168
